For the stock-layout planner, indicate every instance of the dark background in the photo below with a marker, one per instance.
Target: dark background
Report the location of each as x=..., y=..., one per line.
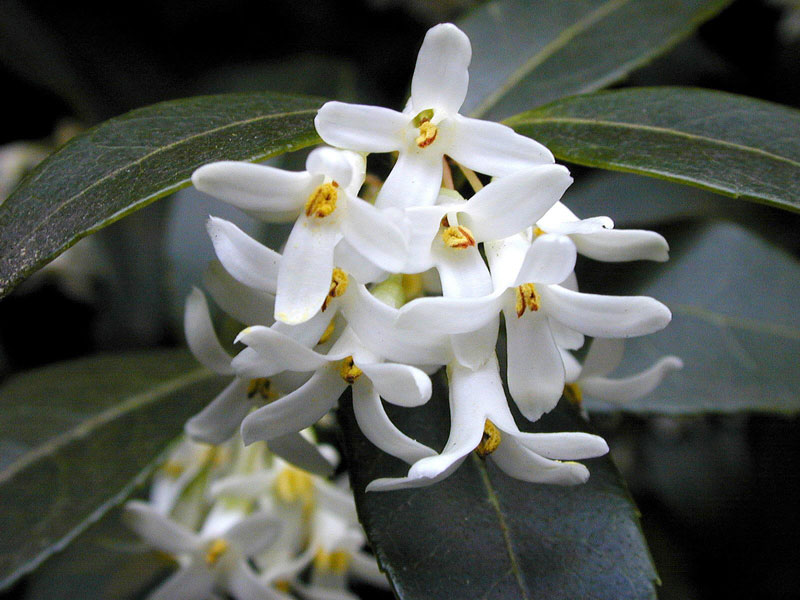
x=718, y=495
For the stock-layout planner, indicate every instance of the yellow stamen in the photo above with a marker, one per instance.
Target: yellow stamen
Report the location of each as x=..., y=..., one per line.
x=260, y=387
x=573, y=394
x=334, y=562
x=349, y=371
x=322, y=201
x=293, y=485
x=215, y=551
x=537, y=231
x=282, y=585
x=527, y=299
x=458, y=237
x=173, y=468
x=338, y=286
x=326, y=335
x=427, y=134
x=490, y=441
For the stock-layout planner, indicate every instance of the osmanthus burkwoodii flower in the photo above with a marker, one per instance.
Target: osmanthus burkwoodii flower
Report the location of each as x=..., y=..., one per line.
x=430, y=127
x=526, y=279
x=324, y=202
x=481, y=421
x=604, y=356
x=208, y=564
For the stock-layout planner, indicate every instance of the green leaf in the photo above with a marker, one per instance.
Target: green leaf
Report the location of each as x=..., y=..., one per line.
x=531, y=53
x=732, y=145
x=129, y=161
x=482, y=534
x=77, y=436
x=734, y=323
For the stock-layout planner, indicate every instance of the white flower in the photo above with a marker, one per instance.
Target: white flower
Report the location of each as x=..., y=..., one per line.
x=430, y=127
x=603, y=357
x=347, y=363
x=527, y=291
x=208, y=564
x=324, y=201
x=482, y=421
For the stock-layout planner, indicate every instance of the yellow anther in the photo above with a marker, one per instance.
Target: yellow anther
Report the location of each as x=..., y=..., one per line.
x=282, y=585
x=215, y=551
x=335, y=562
x=173, y=468
x=573, y=394
x=295, y=485
x=260, y=387
x=537, y=231
x=338, y=286
x=326, y=335
x=427, y=134
x=349, y=371
x=527, y=299
x=490, y=441
x=458, y=237
x=322, y=201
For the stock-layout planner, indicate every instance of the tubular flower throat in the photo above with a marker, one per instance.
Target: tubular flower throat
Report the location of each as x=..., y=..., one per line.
x=349, y=371
x=338, y=286
x=322, y=201
x=427, y=130
x=490, y=441
x=215, y=551
x=527, y=299
x=260, y=387
x=293, y=485
x=573, y=394
x=458, y=237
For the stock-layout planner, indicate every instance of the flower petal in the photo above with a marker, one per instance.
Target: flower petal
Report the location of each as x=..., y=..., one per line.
x=550, y=259
x=513, y=203
x=360, y=127
x=521, y=463
x=352, y=262
x=618, y=245
x=188, y=583
x=279, y=352
x=440, y=76
x=375, y=234
x=158, y=530
x=462, y=271
x=378, y=429
x=535, y=377
x=254, y=533
x=306, y=267
x=450, y=315
x=422, y=225
x=244, y=258
x=605, y=316
x=417, y=480
x=244, y=584
x=201, y=337
x=260, y=190
x=415, y=180
x=245, y=304
x=342, y=166
x=399, y=384
x=364, y=567
x=565, y=337
x=505, y=258
x=630, y=388
x=218, y=421
x=298, y=410
x=494, y=149
x=569, y=445
x=472, y=349
x=296, y=449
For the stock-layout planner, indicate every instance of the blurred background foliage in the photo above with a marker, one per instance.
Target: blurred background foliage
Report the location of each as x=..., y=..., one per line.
x=718, y=493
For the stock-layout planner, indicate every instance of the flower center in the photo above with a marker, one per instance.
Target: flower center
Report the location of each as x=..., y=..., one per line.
x=333, y=562
x=573, y=394
x=427, y=130
x=293, y=485
x=490, y=441
x=537, y=231
x=260, y=387
x=322, y=200
x=349, y=371
x=173, y=468
x=338, y=286
x=527, y=299
x=215, y=551
x=458, y=237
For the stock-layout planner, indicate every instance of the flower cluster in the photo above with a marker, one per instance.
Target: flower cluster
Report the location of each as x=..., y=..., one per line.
x=332, y=309
x=244, y=523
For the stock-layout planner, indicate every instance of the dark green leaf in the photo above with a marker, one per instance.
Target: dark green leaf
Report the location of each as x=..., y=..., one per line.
x=530, y=53
x=728, y=144
x=482, y=534
x=735, y=322
x=75, y=437
x=132, y=160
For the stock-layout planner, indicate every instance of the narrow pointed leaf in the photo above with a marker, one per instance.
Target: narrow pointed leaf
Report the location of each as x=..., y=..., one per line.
x=728, y=144
x=527, y=53
x=482, y=534
x=129, y=161
x=76, y=437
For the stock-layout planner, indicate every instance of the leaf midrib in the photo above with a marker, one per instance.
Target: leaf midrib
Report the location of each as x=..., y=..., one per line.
x=143, y=158
x=84, y=428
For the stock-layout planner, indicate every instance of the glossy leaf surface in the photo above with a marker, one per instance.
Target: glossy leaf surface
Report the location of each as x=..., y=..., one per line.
x=129, y=161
